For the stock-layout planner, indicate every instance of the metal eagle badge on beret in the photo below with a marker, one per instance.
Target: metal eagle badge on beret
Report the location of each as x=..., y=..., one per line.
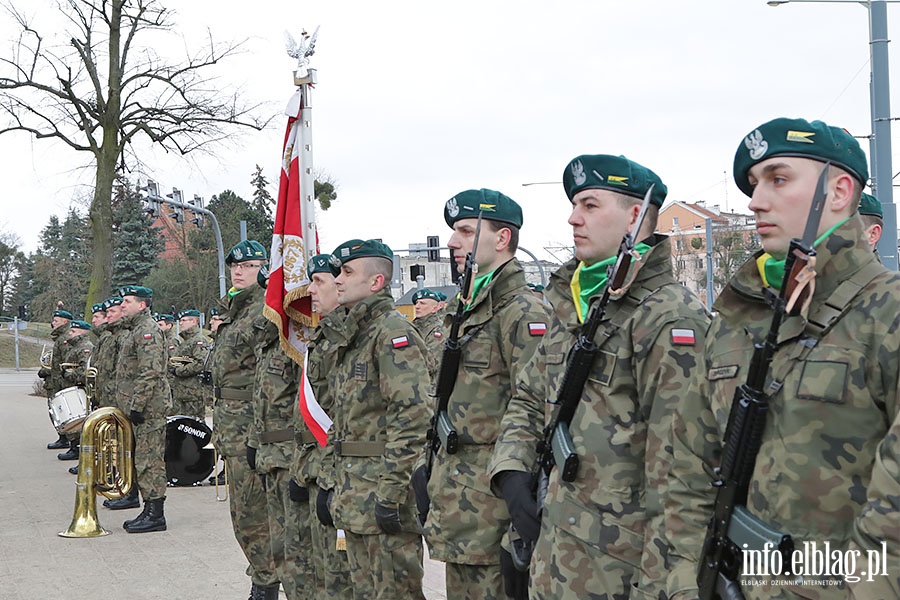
x=452, y=207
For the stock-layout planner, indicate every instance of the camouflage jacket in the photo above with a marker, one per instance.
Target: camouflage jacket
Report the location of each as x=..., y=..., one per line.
x=193, y=349
x=104, y=358
x=77, y=351
x=431, y=328
x=499, y=333
x=54, y=381
x=312, y=463
x=172, y=340
x=274, y=401
x=828, y=422
x=649, y=343
x=382, y=414
x=141, y=383
x=233, y=370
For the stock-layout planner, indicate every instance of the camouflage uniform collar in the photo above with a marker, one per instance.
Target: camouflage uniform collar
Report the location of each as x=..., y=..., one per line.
x=245, y=297
x=61, y=330
x=509, y=278
x=839, y=256
x=430, y=321
x=130, y=322
x=368, y=309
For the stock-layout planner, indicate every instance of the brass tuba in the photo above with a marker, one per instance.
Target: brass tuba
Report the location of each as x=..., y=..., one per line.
x=46, y=356
x=105, y=466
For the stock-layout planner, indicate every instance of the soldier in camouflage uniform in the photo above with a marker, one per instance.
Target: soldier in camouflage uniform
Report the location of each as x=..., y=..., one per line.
x=602, y=534
x=313, y=467
x=233, y=365
x=52, y=375
x=270, y=452
x=78, y=350
x=827, y=470
x=142, y=393
x=502, y=326
x=429, y=322
x=166, y=323
x=106, y=353
x=185, y=365
x=379, y=428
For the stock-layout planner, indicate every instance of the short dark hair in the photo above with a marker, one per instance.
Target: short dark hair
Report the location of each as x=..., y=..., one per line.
x=513, y=233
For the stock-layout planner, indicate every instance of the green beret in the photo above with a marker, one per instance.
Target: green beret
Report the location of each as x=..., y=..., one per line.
x=246, y=250
x=869, y=205
x=164, y=317
x=112, y=301
x=492, y=205
x=135, y=290
x=353, y=249
x=99, y=307
x=536, y=287
x=81, y=325
x=798, y=137
x=442, y=296
x=427, y=294
x=614, y=173
x=318, y=264
x=189, y=312
x=64, y=314
x=214, y=311
x=262, y=276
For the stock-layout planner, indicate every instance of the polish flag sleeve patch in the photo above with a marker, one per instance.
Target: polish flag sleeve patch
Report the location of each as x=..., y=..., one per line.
x=400, y=342
x=148, y=336
x=537, y=328
x=683, y=337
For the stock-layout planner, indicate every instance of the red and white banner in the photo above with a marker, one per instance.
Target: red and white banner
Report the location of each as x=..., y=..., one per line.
x=288, y=304
x=315, y=417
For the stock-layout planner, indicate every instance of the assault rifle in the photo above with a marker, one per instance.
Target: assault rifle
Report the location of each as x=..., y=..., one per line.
x=732, y=528
x=441, y=431
x=557, y=448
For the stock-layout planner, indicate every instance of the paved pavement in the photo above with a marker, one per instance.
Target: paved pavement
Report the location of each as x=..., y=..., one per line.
x=197, y=557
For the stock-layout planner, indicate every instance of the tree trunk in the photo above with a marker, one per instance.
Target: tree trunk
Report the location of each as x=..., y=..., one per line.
x=101, y=228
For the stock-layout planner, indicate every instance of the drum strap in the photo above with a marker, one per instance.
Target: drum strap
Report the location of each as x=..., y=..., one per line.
x=232, y=394
x=280, y=435
x=360, y=448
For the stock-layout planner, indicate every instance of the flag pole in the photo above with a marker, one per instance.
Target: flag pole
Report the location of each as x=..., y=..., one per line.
x=307, y=178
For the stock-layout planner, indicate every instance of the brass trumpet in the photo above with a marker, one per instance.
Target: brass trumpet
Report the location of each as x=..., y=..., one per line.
x=64, y=366
x=178, y=361
x=105, y=466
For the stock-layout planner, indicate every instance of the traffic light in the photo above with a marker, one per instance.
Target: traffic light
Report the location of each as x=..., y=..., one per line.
x=432, y=241
x=415, y=271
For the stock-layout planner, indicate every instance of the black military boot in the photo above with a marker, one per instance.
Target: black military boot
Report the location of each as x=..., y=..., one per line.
x=59, y=444
x=73, y=470
x=259, y=592
x=130, y=500
x=152, y=519
x=71, y=453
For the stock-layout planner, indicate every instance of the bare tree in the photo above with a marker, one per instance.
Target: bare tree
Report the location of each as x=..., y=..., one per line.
x=101, y=91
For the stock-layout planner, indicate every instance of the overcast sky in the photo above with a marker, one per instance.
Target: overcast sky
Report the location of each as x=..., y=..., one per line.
x=417, y=101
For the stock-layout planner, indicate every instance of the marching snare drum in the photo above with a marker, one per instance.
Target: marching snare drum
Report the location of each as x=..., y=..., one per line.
x=68, y=409
x=188, y=461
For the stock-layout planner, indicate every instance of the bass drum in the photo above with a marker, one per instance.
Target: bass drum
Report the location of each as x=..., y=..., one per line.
x=188, y=461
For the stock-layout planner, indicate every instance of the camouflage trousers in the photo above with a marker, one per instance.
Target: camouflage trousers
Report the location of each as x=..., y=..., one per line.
x=474, y=582
x=250, y=520
x=289, y=532
x=565, y=567
x=332, y=565
x=386, y=567
x=150, y=458
x=190, y=406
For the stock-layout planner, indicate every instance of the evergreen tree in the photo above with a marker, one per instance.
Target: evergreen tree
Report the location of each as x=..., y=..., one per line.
x=10, y=261
x=62, y=267
x=136, y=243
x=262, y=199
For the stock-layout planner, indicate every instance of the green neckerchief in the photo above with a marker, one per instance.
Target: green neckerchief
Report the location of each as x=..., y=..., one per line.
x=478, y=285
x=234, y=292
x=589, y=281
x=772, y=270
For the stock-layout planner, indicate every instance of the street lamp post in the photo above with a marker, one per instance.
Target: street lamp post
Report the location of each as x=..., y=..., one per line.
x=880, y=140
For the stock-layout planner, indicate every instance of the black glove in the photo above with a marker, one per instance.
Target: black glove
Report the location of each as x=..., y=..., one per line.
x=44, y=373
x=136, y=418
x=387, y=518
x=420, y=487
x=297, y=492
x=172, y=369
x=516, y=489
x=251, y=458
x=323, y=507
x=515, y=582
